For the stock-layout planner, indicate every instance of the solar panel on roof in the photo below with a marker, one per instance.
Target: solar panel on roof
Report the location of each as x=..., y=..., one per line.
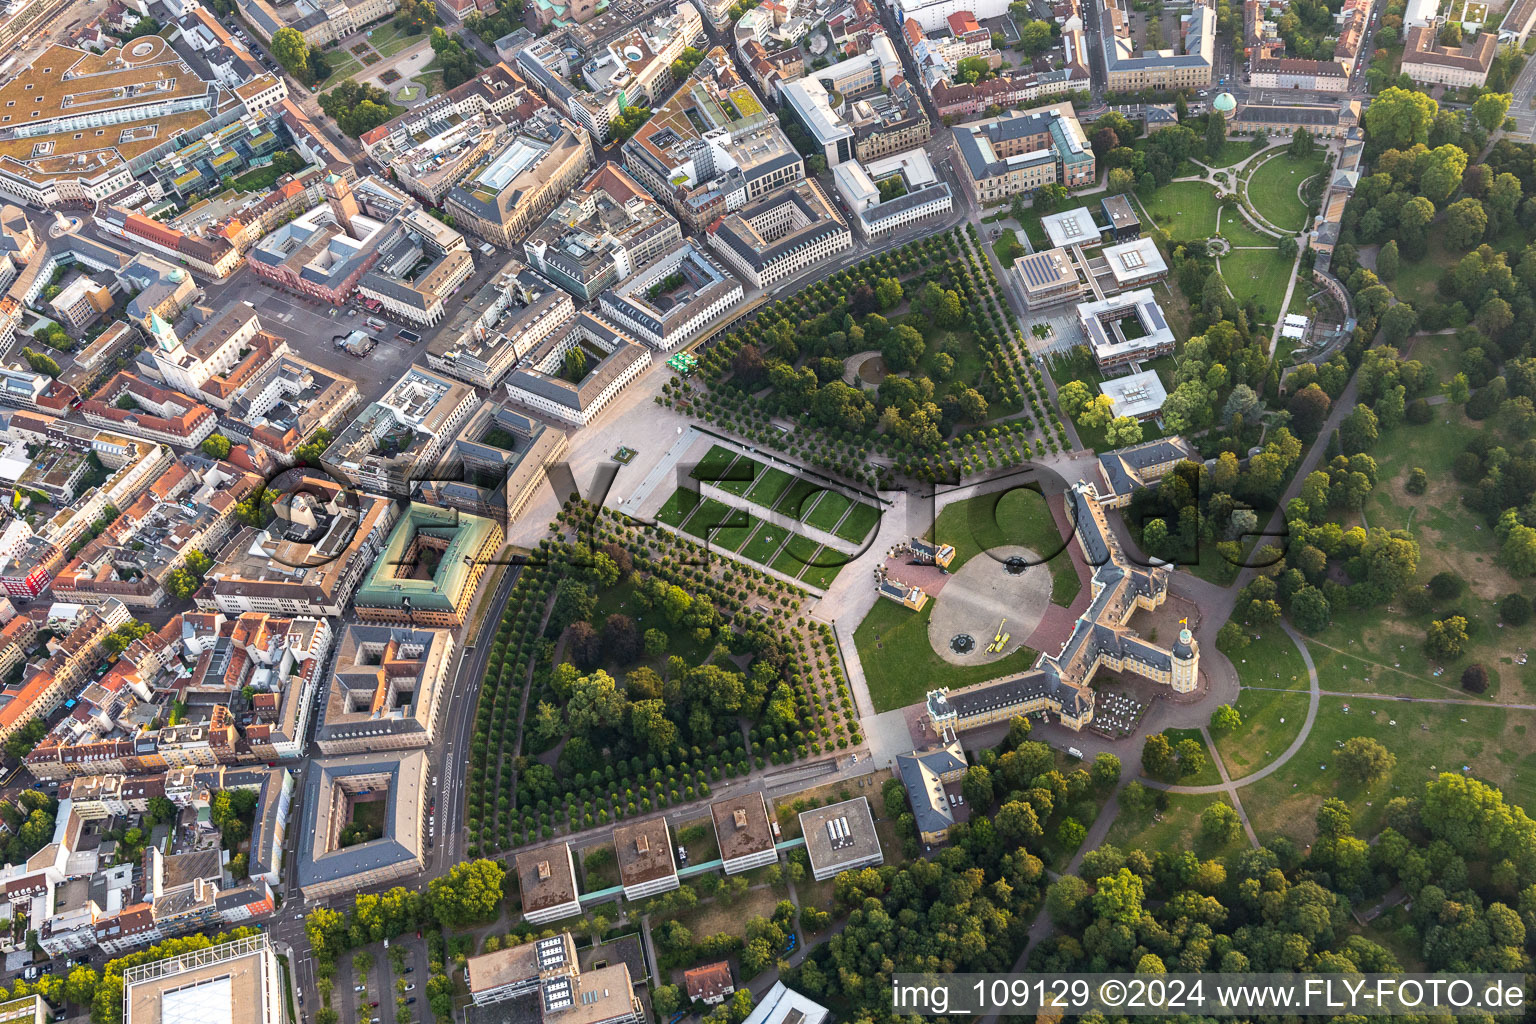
x=557, y=994
x=550, y=953
x=1157, y=316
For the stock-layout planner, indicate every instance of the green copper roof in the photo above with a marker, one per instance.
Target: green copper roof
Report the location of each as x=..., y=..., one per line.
x=390, y=579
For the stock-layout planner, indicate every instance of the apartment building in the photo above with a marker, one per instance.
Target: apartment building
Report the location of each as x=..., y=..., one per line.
x=1428, y=62
x=397, y=439
x=780, y=235
x=500, y=324
x=385, y=690
x=1130, y=69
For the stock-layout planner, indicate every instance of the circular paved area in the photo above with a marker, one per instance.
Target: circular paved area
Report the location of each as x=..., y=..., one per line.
x=981, y=595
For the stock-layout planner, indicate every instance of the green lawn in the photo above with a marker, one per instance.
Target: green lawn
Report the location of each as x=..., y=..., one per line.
x=822, y=568
x=1272, y=660
x=1260, y=275
x=1175, y=827
x=799, y=553
x=343, y=66
x=740, y=477
x=713, y=464
x=1233, y=151
x=1019, y=516
x=710, y=514
x=1273, y=189
x=734, y=537
x=860, y=520
x=1007, y=248
x=800, y=499
x=1236, y=229
x=770, y=484
x=678, y=507
x=829, y=510
x=900, y=665
x=389, y=40
x=1185, y=209
x=765, y=543
x=1493, y=744
x=1263, y=736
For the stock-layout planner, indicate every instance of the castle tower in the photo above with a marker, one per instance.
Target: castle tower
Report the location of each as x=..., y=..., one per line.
x=343, y=204
x=1186, y=662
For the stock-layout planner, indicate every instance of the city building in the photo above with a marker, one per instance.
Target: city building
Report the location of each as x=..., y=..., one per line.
x=1130, y=69
x=932, y=781
x=606, y=230
x=429, y=569
x=1126, y=328
x=385, y=690
x=709, y=984
x=1518, y=21
x=72, y=657
x=232, y=981
x=1429, y=62
x=80, y=302
x=785, y=232
x=518, y=183
x=162, y=288
x=1067, y=228
x=1018, y=153
x=1325, y=121
x=671, y=301
x=1013, y=89
x=712, y=147
x=840, y=837
x=282, y=403
x=744, y=832
x=1124, y=471
x=1059, y=683
x=189, y=508
x=916, y=193
x=646, y=863
x=209, y=253
x=546, y=880
x=782, y=1005
x=324, y=253
x=575, y=389
x=495, y=466
x=335, y=787
x=1294, y=73
x=308, y=561
x=501, y=323
x=934, y=15
x=419, y=269
x=860, y=108
x=545, y=983
x=1138, y=395
x=1121, y=215
x=318, y=22
x=219, y=347
x=396, y=440
x=634, y=69
x=75, y=126
x=153, y=413
x=1048, y=278
x=1134, y=264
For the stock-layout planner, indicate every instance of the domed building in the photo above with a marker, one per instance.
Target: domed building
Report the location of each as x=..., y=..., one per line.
x=1226, y=103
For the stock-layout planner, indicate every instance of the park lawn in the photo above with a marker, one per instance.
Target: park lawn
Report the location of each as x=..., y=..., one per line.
x=1492, y=744
x=801, y=497
x=1262, y=737
x=714, y=463
x=1008, y=248
x=710, y=514
x=771, y=483
x=389, y=40
x=787, y=562
x=735, y=536
x=829, y=511
x=718, y=917
x=823, y=567
x=1185, y=209
x=1175, y=827
x=1209, y=775
x=1304, y=289
x=1258, y=274
x=740, y=477
x=900, y=665
x=1019, y=516
x=765, y=543
x=1271, y=661
x=1236, y=230
x=343, y=66
x=858, y=522
x=678, y=507
x=800, y=552
x=1273, y=189
x=1419, y=273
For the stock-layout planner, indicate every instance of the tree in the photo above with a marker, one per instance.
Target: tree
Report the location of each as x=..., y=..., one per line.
x=1518, y=552
x=1474, y=678
x=1219, y=824
x=1097, y=413
x=1440, y=173
x=1310, y=610
x=1066, y=899
x=1035, y=37
x=1365, y=760
x=1359, y=431
x=1446, y=638
x=1192, y=759
x=667, y=1000
x=1225, y=718
x=291, y=51
x=1387, y=261
x=976, y=786
x=1121, y=180
x=1156, y=755
x=1309, y=410
x=1490, y=109
x=468, y=893
x=1215, y=133
x=1414, y=219
x=972, y=69
x=1398, y=118
x=216, y=446
x=1465, y=223
x=1118, y=897
x=1398, y=323
x=1302, y=144
x=40, y=362
x=1073, y=397
x=1105, y=771
x=1122, y=431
